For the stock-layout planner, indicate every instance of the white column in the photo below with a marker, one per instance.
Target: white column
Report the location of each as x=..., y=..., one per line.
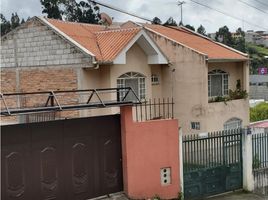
x=248, y=179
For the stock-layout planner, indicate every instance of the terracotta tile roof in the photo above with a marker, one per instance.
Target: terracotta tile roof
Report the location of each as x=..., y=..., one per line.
x=104, y=44
x=112, y=42
x=196, y=42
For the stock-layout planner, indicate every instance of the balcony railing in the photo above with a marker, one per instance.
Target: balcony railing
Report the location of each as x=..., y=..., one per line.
x=153, y=109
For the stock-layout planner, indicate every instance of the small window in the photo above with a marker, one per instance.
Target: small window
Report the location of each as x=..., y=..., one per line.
x=195, y=125
x=233, y=123
x=155, y=79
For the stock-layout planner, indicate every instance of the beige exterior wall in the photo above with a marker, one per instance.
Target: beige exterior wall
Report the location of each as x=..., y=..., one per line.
x=234, y=69
x=188, y=84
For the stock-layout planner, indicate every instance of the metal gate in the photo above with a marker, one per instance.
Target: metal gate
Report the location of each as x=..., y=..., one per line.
x=72, y=159
x=212, y=163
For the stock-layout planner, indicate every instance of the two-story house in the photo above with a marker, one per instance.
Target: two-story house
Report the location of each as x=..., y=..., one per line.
x=156, y=61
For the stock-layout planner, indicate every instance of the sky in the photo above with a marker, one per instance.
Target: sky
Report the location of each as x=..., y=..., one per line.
x=193, y=13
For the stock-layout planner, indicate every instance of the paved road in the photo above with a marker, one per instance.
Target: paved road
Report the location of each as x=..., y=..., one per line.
x=239, y=196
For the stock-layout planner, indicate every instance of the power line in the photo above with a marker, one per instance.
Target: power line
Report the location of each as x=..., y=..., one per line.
x=224, y=13
x=253, y=6
x=120, y=10
x=262, y=2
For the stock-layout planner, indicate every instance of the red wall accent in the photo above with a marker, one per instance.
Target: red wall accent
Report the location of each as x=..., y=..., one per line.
x=147, y=147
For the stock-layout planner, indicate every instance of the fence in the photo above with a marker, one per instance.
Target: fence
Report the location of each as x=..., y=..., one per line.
x=213, y=149
x=212, y=163
x=153, y=109
x=260, y=162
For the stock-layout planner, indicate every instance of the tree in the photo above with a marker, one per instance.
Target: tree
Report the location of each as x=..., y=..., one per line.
x=156, y=20
x=201, y=30
x=190, y=27
x=81, y=12
x=224, y=36
x=52, y=8
x=86, y=12
x=15, y=20
x=239, y=40
x=4, y=25
x=170, y=22
x=259, y=112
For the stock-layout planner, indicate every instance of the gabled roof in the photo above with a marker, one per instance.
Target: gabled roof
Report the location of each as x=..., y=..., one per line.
x=106, y=43
x=214, y=50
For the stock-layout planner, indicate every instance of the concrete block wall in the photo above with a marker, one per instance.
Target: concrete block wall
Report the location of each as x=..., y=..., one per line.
x=34, y=44
x=258, y=92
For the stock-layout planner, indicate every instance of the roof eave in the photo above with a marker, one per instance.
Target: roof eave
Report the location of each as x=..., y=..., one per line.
x=215, y=60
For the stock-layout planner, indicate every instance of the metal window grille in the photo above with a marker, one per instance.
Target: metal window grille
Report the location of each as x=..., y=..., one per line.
x=138, y=86
x=233, y=123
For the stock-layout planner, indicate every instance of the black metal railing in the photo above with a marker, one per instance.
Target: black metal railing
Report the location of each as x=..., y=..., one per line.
x=54, y=101
x=153, y=109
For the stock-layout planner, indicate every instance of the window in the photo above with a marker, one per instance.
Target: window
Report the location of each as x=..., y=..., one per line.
x=195, y=125
x=233, y=123
x=155, y=79
x=217, y=83
x=134, y=80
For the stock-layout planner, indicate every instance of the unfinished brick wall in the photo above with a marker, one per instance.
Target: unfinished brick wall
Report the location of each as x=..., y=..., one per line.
x=36, y=58
x=39, y=79
x=8, y=85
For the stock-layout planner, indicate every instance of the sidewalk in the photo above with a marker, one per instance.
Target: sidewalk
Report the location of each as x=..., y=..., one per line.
x=238, y=196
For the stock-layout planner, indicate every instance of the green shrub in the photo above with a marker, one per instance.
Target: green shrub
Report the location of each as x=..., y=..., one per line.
x=259, y=112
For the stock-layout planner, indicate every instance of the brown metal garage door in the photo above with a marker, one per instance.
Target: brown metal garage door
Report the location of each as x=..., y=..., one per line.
x=66, y=159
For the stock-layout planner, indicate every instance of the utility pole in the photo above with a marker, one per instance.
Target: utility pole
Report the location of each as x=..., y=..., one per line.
x=180, y=3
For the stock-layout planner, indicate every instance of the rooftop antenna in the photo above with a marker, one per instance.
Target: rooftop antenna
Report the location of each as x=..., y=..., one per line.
x=180, y=3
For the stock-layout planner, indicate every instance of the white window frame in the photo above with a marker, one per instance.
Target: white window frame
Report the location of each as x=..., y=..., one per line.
x=232, y=122
x=132, y=75
x=155, y=79
x=225, y=81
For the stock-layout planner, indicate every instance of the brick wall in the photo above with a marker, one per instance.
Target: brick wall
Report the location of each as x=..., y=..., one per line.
x=34, y=44
x=34, y=58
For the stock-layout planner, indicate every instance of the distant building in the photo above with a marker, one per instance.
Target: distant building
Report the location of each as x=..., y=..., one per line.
x=257, y=37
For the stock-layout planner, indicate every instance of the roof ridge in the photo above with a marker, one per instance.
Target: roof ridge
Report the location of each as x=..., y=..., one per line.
x=69, y=22
x=118, y=30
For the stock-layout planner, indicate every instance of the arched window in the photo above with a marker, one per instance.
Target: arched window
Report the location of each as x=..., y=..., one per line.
x=217, y=83
x=233, y=123
x=134, y=80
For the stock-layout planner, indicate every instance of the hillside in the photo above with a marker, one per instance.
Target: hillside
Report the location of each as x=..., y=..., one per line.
x=257, y=54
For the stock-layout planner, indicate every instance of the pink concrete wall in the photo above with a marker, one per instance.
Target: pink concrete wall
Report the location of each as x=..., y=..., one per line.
x=147, y=147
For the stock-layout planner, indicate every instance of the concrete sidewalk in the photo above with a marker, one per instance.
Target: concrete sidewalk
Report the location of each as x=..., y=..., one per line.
x=238, y=196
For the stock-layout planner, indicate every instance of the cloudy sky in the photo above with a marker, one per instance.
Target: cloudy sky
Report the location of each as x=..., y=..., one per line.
x=193, y=13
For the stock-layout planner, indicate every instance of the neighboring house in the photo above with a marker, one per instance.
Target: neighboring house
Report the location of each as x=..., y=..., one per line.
x=258, y=87
x=259, y=127
x=156, y=61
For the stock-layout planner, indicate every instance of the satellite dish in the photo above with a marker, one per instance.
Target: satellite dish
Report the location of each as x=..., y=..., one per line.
x=106, y=19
